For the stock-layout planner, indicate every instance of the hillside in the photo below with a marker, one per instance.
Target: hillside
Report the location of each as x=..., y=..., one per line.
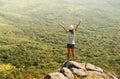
x=32, y=43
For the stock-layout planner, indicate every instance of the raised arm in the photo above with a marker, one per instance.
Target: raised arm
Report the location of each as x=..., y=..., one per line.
x=63, y=27
x=77, y=25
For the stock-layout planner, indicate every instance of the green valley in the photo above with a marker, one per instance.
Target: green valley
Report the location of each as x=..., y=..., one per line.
x=32, y=43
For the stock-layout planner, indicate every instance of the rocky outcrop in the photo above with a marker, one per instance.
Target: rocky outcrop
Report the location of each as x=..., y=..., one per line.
x=55, y=75
x=75, y=70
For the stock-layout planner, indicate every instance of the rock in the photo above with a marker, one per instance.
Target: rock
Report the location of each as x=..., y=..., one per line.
x=91, y=67
x=73, y=64
x=75, y=70
x=67, y=64
x=79, y=72
x=96, y=75
x=112, y=76
x=89, y=78
x=66, y=72
x=56, y=75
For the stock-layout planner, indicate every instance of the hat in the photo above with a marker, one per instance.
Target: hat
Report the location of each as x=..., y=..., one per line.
x=71, y=27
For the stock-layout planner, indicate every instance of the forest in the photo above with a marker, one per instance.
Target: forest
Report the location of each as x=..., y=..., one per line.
x=32, y=43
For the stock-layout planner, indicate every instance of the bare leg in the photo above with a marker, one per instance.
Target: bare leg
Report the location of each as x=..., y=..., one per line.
x=68, y=54
x=72, y=49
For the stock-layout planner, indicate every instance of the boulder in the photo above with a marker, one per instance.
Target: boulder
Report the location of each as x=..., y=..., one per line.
x=91, y=67
x=79, y=72
x=55, y=75
x=113, y=76
x=67, y=73
x=73, y=64
x=96, y=75
x=75, y=70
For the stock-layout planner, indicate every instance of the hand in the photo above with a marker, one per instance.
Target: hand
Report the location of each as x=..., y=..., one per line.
x=80, y=20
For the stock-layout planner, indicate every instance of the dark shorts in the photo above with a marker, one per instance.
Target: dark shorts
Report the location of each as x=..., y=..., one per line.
x=70, y=45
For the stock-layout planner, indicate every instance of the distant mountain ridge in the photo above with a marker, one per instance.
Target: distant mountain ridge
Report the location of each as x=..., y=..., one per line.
x=37, y=12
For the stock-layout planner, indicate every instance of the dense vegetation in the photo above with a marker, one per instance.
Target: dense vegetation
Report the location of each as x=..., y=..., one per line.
x=32, y=44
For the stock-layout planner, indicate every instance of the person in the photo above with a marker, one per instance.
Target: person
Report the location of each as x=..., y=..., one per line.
x=71, y=39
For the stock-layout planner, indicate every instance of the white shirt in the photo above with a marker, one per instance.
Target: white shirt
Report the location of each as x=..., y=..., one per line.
x=71, y=38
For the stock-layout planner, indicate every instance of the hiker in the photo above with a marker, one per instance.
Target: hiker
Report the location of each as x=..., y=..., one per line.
x=71, y=39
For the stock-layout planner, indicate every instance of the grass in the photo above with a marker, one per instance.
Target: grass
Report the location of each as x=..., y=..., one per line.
x=30, y=35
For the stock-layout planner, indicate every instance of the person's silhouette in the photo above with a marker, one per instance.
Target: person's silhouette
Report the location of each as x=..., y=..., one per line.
x=71, y=39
